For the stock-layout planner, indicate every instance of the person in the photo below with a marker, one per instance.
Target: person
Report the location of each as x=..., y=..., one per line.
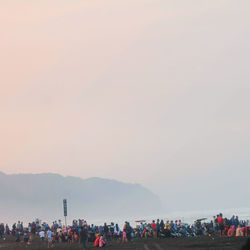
x=124, y=234
x=117, y=232
x=26, y=237
x=238, y=231
x=83, y=237
x=1, y=231
x=96, y=244
x=60, y=224
x=18, y=238
x=230, y=231
x=128, y=232
x=221, y=224
x=215, y=225
x=237, y=221
x=29, y=228
x=19, y=227
x=153, y=227
x=30, y=238
x=50, y=240
x=13, y=231
x=73, y=236
x=112, y=230
x=244, y=230
x=106, y=231
x=101, y=242
x=7, y=229
x=158, y=228
x=42, y=235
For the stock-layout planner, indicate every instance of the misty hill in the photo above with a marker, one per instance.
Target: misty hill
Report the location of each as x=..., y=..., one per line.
x=41, y=195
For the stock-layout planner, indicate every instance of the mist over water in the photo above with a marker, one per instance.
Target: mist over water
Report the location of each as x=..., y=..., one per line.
x=185, y=216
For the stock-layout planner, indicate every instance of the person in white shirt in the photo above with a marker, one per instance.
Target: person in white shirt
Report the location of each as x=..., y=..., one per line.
x=117, y=232
x=59, y=223
x=42, y=235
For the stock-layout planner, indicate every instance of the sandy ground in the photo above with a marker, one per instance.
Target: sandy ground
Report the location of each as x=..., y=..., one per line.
x=199, y=243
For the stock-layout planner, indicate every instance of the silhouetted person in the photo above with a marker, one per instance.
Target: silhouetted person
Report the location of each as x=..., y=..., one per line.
x=84, y=237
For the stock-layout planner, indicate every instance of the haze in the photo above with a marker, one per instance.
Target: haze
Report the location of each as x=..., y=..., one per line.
x=151, y=92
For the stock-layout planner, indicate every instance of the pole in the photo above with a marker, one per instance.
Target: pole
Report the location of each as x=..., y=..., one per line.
x=65, y=210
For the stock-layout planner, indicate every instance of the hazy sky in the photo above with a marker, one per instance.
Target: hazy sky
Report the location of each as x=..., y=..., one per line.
x=147, y=91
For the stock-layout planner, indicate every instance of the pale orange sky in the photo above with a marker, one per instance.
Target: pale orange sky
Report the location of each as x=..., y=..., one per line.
x=138, y=91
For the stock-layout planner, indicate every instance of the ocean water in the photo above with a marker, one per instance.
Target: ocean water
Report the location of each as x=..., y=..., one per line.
x=185, y=216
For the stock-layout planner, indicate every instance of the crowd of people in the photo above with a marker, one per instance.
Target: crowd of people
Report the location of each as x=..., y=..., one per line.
x=80, y=232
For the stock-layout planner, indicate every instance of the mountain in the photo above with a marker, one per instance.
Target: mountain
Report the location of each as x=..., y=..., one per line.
x=40, y=195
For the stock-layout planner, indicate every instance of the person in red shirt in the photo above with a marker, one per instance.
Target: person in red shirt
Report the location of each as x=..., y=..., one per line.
x=153, y=227
x=97, y=241
x=244, y=231
x=220, y=223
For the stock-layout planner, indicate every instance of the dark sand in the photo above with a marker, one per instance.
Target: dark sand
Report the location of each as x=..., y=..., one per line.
x=199, y=243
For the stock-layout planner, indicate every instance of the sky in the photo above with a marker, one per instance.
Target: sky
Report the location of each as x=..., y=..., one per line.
x=145, y=91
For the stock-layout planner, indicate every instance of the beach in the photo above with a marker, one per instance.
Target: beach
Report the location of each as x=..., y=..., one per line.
x=197, y=243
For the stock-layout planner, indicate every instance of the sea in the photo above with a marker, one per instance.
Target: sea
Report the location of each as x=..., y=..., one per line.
x=185, y=216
